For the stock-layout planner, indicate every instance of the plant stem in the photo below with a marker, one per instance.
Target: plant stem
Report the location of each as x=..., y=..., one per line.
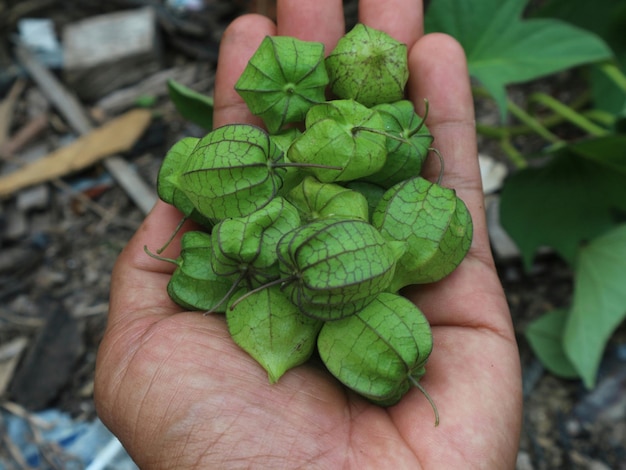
x=532, y=122
x=441, y=163
x=160, y=258
x=275, y=282
x=356, y=129
x=498, y=132
x=230, y=292
x=613, y=72
x=173, y=234
x=512, y=153
x=568, y=113
x=418, y=385
x=494, y=132
x=421, y=124
x=603, y=117
x=306, y=165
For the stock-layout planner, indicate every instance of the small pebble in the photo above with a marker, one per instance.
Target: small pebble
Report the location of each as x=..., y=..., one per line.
x=573, y=427
x=597, y=465
x=524, y=461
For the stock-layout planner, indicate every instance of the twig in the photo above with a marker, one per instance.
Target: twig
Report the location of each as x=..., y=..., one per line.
x=24, y=135
x=14, y=451
x=49, y=452
x=107, y=215
x=19, y=320
x=92, y=311
x=6, y=109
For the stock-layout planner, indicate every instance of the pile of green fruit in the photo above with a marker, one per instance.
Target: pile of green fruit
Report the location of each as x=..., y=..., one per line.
x=311, y=228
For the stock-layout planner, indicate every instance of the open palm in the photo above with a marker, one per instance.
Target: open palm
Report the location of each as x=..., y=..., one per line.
x=179, y=393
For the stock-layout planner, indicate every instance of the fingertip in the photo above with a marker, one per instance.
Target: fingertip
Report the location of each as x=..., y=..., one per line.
x=440, y=75
x=247, y=31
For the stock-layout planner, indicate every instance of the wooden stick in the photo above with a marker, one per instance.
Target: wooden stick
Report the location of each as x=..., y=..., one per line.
x=25, y=134
x=6, y=109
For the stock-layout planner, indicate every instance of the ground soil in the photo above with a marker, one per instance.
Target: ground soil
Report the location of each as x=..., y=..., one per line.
x=60, y=269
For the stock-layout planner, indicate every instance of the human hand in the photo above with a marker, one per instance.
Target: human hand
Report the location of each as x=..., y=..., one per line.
x=179, y=393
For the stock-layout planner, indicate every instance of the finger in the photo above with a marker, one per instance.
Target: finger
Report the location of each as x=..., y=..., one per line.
x=239, y=42
x=439, y=74
x=401, y=19
x=472, y=294
x=312, y=20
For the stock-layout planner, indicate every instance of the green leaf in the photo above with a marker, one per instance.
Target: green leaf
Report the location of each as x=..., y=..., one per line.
x=599, y=304
x=545, y=336
x=193, y=106
x=146, y=101
x=606, y=18
x=608, y=151
x=607, y=95
x=602, y=17
x=503, y=49
x=570, y=200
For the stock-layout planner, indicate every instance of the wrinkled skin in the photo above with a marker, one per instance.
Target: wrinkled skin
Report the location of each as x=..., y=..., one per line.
x=180, y=394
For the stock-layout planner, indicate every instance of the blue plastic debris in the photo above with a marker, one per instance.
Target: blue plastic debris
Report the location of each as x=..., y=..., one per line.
x=52, y=439
x=185, y=5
